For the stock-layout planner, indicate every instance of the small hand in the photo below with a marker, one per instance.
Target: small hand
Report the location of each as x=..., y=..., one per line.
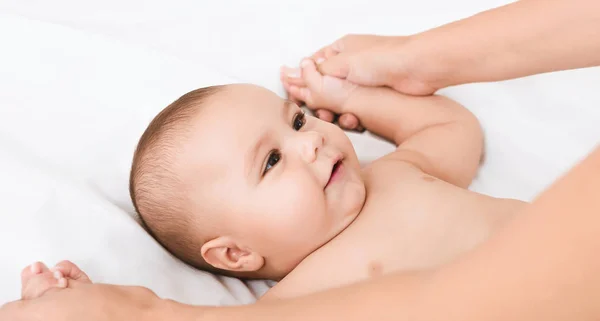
x=91, y=302
x=37, y=279
x=325, y=95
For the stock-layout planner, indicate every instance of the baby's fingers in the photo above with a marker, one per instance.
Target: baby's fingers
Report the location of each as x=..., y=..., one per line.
x=292, y=76
x=72, y=271
x=32, y=270
x=39, y=284
x=301, y=94
x=291, y=97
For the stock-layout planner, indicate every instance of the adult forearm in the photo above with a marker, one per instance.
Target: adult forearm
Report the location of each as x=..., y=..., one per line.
x=374, y=300
x=542, y=266
x=520, y=39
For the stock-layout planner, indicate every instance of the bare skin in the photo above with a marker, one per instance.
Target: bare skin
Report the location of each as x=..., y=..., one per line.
x=417, y=213
x=351, y=43
x=421, y=221
x=543, y=265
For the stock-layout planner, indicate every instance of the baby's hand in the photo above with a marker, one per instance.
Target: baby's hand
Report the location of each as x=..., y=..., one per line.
x=347, y=44
x=37, y=279
x=325, y=94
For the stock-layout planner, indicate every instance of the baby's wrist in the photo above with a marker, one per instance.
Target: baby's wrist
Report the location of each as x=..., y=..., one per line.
x=352, y=104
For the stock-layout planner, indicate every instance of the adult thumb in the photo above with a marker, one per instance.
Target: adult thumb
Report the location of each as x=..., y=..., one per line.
x=336, y=66
x=362, y=68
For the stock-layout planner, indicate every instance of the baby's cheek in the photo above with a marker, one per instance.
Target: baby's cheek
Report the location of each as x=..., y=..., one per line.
x=340, y=140
x=301, y=207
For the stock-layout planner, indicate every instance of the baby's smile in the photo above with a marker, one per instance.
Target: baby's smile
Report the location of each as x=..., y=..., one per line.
x=336, y=172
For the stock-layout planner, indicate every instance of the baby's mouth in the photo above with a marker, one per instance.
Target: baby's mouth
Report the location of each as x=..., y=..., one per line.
x=334, y=171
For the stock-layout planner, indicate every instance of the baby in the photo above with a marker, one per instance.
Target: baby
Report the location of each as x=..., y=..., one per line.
x=235, y=180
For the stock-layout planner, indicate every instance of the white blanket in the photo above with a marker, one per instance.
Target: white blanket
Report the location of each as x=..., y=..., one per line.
x=79, y=81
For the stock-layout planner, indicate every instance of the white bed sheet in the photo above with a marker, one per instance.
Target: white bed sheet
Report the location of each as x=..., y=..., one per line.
x=80, y=80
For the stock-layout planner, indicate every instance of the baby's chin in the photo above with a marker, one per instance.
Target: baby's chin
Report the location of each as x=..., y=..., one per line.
x=355, y=195
x=351, y=210
x=352, y=215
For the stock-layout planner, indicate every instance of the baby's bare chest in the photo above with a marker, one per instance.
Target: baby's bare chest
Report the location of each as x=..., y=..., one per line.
x=414, y=224
x=411, y=224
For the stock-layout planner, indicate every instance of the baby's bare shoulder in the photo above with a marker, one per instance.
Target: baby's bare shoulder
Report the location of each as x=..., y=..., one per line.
x=394, y=169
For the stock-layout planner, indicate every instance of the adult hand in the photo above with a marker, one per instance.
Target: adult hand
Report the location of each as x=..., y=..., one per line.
x=367, y=60
x=85, y=301
x=520, y=39
x=378, y=61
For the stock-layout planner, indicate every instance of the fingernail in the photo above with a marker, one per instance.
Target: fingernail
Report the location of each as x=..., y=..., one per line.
x=304, y=63
x=57, y=275
x=62, y=283
x=35, y=268
x=320, y=60
x=293, y=74
x=290, y=72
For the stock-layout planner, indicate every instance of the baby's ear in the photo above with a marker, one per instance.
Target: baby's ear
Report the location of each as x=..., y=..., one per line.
x=226, y=254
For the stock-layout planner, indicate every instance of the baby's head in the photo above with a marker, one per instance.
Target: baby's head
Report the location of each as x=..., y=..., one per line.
x=235, y=180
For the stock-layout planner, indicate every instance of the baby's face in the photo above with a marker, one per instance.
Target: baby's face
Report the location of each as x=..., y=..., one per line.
x=281, y=183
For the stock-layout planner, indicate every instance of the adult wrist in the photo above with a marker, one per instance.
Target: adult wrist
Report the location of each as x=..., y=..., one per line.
x=434, y=62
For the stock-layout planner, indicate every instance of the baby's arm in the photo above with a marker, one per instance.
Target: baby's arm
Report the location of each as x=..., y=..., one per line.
x=434, y=133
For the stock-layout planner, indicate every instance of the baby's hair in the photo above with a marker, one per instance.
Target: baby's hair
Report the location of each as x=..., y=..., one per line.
x=154, y=187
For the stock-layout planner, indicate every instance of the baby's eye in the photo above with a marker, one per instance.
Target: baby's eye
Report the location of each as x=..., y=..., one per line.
x=273, y=159
x=299, y=120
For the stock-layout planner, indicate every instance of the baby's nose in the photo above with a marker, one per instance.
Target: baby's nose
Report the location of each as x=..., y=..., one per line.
x=310, y=143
